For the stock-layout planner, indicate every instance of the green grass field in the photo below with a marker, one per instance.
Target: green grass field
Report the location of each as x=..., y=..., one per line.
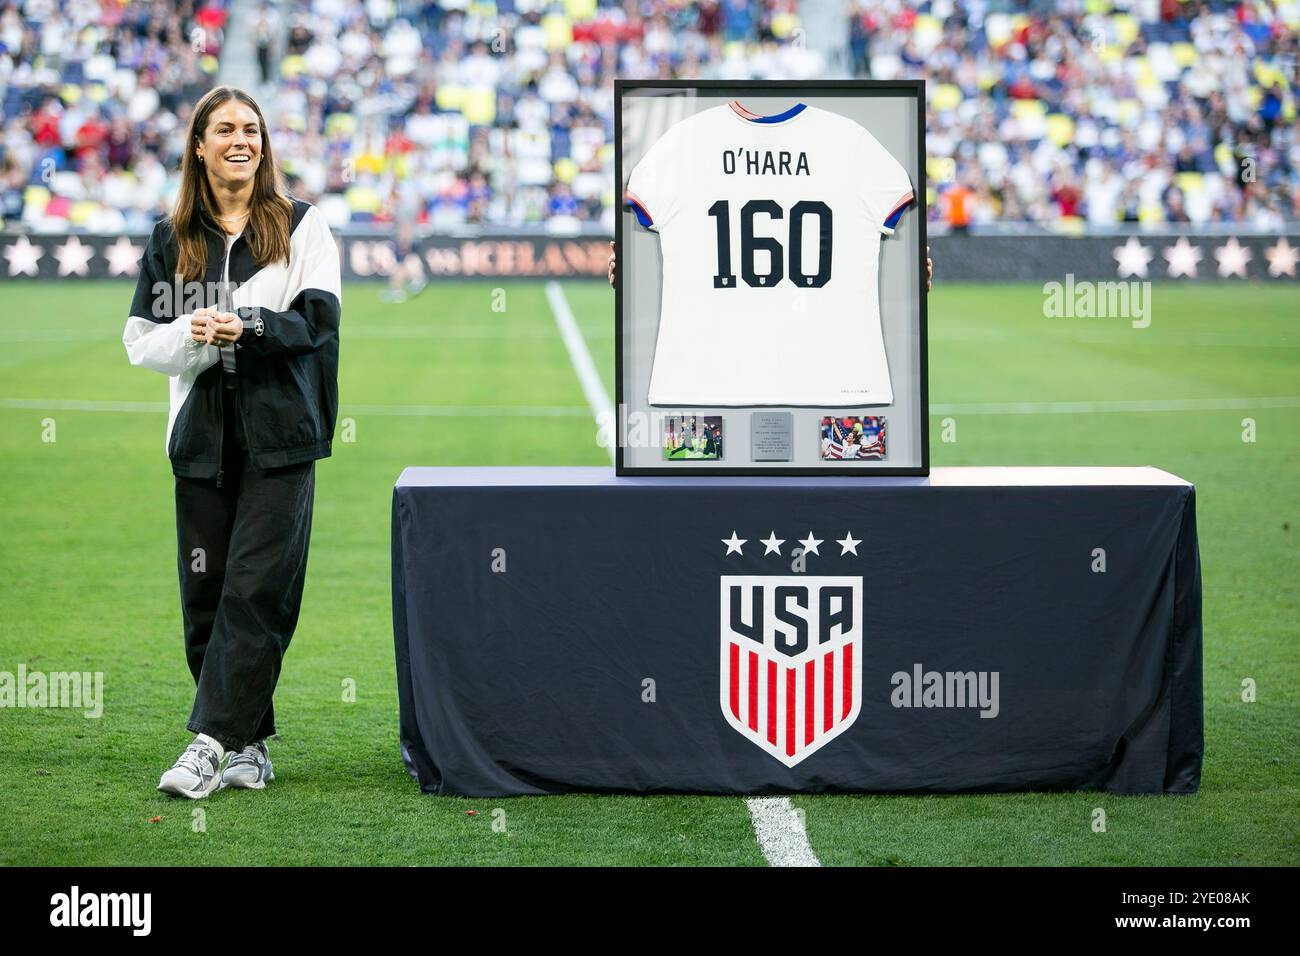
x=88, y=583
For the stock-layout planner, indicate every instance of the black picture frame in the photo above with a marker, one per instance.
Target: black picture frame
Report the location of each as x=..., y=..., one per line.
x=797, y=88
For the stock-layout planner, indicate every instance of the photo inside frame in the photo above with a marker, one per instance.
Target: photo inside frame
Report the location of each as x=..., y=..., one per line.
x=692, y=438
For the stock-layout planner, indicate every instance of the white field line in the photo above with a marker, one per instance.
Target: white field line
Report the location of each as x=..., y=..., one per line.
x=468, y=411
x=592, y=387
x=392, y=411
x=67, y=404
x=1140, y=405
x=780, y=832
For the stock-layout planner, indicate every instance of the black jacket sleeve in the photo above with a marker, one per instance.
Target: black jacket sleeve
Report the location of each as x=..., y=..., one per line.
x=312, y=319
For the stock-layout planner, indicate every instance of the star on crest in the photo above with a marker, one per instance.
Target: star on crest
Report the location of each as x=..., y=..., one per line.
x=810, y=544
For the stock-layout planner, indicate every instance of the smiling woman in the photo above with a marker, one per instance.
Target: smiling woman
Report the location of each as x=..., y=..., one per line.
x=253, y=383
x=232, y=174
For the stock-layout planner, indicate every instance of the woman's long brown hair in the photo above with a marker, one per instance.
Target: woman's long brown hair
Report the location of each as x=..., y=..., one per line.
x=270, y=211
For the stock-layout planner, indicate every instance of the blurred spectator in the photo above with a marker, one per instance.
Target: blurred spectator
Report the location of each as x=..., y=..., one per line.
x=500, y=116
x=956, y=205
x=265, y=27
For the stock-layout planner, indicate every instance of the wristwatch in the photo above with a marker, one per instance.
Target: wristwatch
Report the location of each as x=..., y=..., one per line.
x=251, y=319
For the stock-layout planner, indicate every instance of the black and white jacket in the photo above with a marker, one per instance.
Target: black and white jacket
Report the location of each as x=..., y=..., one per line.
x=286, y=358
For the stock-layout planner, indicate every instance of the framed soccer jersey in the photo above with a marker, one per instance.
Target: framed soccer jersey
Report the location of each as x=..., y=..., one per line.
x=771, y=249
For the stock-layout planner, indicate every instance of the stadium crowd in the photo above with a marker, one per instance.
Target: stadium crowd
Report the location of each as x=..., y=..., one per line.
x=1087, y=113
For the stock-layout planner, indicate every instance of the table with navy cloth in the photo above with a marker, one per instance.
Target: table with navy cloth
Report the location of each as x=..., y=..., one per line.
x=979, y=630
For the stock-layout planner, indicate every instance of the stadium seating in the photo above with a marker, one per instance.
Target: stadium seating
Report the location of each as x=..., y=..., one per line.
x=500, y=115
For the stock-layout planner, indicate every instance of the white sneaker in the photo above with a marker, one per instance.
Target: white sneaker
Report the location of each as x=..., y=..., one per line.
x=194, y=774
x=250, y=768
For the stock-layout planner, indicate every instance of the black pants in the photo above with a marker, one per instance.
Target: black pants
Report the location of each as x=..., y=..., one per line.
x=242, y=560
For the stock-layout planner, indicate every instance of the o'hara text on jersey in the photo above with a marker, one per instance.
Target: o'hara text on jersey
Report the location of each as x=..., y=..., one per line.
x=764, y=162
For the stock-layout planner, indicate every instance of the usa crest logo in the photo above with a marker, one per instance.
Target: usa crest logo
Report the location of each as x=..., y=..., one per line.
x=791, y=660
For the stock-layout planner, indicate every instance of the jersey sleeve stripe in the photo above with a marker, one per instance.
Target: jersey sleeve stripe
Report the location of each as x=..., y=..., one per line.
x=899, y=207
x=642, y=214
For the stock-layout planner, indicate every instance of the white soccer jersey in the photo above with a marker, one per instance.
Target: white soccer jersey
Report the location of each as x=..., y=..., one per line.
x=770, y=233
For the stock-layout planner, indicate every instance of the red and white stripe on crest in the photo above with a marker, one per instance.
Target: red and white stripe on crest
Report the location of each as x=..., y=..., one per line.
x=791, y=707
